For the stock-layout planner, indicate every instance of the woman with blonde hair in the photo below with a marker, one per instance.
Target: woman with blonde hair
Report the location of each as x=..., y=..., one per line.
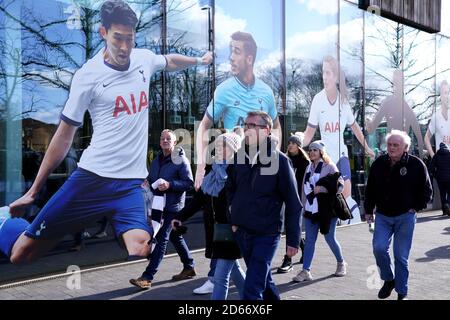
x=321, y=167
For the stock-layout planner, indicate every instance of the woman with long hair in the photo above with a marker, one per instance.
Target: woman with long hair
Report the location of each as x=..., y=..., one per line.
x=321, y=166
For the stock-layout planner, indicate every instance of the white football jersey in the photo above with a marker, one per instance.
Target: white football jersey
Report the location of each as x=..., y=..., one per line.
x=332, y=121
x=117, y=101
x=440, y=128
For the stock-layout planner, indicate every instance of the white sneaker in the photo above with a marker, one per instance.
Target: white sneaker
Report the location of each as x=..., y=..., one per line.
x=304, y=275
x=341, y=269
x=206, y=288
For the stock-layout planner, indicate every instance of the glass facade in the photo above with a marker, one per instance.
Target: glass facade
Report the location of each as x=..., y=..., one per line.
x=389, y=75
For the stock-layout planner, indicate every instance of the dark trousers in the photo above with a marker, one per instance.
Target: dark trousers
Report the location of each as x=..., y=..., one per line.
x=258, y=252
x=444, y=189
x=162, y=238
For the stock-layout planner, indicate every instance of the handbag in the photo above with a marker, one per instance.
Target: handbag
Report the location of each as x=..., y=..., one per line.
x=223, y=233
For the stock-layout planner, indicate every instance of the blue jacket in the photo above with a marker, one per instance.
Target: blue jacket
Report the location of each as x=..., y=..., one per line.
x=256, y=197
x=177, y=172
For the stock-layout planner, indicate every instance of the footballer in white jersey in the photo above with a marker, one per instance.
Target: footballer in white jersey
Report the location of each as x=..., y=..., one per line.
x=113, y=87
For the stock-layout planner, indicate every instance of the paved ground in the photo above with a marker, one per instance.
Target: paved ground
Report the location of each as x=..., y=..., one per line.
x=429, y=273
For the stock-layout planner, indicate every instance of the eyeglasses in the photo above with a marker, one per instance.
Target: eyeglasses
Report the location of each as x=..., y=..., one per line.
x=254, y=125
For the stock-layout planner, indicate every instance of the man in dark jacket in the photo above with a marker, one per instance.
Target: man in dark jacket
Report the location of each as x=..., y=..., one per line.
x=398, y=187
x=259, y=181
x=440, y=169
x=170, y=177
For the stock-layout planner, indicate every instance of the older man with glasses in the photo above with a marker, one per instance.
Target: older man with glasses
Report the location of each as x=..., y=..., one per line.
x=259, y=181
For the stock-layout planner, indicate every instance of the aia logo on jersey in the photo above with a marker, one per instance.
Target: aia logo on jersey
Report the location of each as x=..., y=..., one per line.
x=123, y=106
x=332, y=128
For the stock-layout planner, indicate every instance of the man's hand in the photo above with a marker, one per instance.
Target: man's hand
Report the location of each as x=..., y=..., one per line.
x=18, y=207
x=163, y=186
x=199, y=176
x=291, y=251
x=207, y=58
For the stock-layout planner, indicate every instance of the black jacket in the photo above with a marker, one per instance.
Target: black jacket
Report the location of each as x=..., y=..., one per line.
x=397, y=189
x=440, y=164
x=214, y=211
x=300, y=165
x=257, y=192
x=331, y=204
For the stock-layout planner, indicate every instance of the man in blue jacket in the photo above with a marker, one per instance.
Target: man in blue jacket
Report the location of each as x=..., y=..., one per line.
x=170, y=177
x=259, y=181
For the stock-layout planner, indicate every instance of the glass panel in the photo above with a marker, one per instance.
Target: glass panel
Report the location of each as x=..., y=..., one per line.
x=383, y=58
x=262, y=22
x=437, y=125
x=419, y=74
x=307, y=43
x=43, y=44
x=351, y=58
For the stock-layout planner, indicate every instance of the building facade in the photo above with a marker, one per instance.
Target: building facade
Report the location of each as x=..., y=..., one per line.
x=45, y=42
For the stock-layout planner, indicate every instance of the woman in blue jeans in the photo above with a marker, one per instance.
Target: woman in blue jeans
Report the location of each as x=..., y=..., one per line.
x=212, y=199
x=321, y=166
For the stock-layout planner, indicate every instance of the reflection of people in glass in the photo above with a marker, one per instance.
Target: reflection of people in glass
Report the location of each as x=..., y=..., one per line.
x=113, y=86
x=397, y=112
x=439, y=123
x=331, y=112
x=236, y=96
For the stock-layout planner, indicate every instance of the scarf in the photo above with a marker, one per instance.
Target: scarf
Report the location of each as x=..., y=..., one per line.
x=215, y=180
x=311, y=179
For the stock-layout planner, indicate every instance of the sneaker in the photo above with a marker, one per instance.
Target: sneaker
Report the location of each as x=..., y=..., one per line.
x=185, y=274
x=86, y=235
x=141, y=283
x=206, y=288
x=100, y=235
x=386, y=289
x=341, y=269
x=402, y=297
x=286, y=265
x=304, y=275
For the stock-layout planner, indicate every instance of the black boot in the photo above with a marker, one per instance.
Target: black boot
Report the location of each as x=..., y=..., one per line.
x=446, y=210
x=386, y=290
x=286, y=266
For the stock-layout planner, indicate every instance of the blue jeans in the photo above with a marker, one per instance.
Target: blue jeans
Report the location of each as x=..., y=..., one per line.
x=162, y=237
x=212, y=269
x=258, y=252
x=312, y=230
x=402, y=229
x=225, y=269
